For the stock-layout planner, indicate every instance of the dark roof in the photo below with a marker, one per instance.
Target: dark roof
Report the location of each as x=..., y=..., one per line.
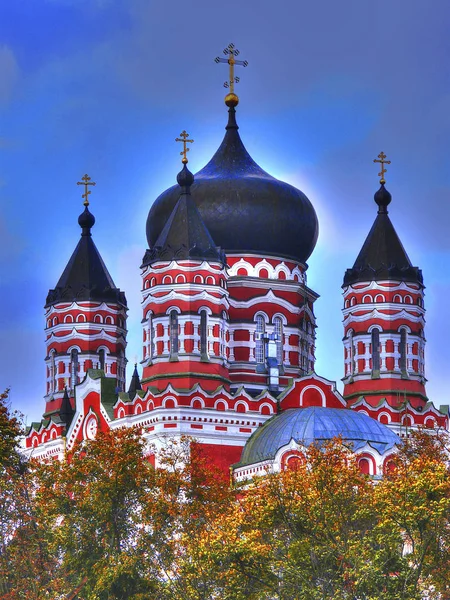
x=135, y=384
x=316, y=425
x=66, y=412
x=184, y=235
x=244, y=208
x=383, y=256
x=86, y=276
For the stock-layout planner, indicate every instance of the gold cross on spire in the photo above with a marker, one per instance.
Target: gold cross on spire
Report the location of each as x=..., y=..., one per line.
x=383, y=161
x=86, y=180
x=184, y=138
x=231, y=52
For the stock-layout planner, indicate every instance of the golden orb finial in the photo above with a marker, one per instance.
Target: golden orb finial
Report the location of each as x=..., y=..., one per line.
x=231, y=100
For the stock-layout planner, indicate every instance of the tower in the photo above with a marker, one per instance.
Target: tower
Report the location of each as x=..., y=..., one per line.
x=185, y=301
x=85, y=319
x=384, y=318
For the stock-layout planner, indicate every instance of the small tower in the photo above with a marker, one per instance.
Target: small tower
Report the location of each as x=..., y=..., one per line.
x=85, y=319
x=185, y=301
x=384, y=318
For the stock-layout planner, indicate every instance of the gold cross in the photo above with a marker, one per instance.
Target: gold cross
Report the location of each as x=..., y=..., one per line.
x=86, y=180
x=184, y=138
x=382, y=157
x=231, y=52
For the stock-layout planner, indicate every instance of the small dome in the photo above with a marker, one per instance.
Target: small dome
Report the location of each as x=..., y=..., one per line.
x=316, y=424
x=244, y=208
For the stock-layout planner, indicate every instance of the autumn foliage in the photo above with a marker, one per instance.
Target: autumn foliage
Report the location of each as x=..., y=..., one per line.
x=105, y=524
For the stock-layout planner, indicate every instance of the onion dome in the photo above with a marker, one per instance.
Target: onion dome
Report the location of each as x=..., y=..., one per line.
x=85, y=276
x=245, y=209
x=316, y=425
x=184, y=235
x=383, y=256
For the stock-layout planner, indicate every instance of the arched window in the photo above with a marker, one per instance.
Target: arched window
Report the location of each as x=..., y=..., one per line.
x=375, y=352
x=173, y=333
x=351, y=349
x=101, y=358
x=259, y=339
x=150, y=337
x=52, y=372
x=403, y=349
x=204, y=334
x=278, y=330
x=73, y=368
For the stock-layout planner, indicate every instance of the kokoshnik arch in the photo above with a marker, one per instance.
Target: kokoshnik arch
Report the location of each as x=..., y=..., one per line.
x=228, y=327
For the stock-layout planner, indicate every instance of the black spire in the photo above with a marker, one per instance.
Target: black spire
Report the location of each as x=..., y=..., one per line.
x=86, y=276
x=184, y=235
x=383, y=255
x=135, y=383
x=66, y=412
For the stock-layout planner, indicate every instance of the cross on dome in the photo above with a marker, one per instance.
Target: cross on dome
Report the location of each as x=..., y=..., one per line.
x=382, y=161
x=184, y=139
x=86, y=181
x=231, y=51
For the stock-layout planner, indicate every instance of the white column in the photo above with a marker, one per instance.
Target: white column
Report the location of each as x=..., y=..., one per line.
x=181, y=337
x=231, y=346
x=366, y=356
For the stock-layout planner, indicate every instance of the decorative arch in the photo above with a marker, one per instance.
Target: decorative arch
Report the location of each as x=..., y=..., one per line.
x=98, y=319
x=380, y=298
x=408, y=299
x=209, y=280
x=315, y=393
x=221, y=405
x=198, y=279
x=81, y=319
x=266, y=409
x=180, y=278
x=367, y=464
x=68, y=319
x=109, y=320
x=197, y=402
x=241, y=406
x=150, y=405
x=121, y=413
x=367, y=298
x=384, y=418
x=170, y=402
x=353, y=301
x=398, y=298
x=167, y=279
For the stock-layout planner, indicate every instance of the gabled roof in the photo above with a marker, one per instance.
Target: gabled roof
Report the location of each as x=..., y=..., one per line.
x=383, y=256
x=86, y=276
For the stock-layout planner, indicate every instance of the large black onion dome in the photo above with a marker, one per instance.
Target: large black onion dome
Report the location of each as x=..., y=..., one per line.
x=382, y=256
x=244, y=208
x=86, y=276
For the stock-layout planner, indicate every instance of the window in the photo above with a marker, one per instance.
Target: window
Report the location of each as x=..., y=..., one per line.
x=278, y=330
x=173, y=333
x=52, y=373
x=259, y=339
x=403, y=351
x=150, y=337
x=101, y=358
x=204, y=334
x=73, y=368
x=375, y=351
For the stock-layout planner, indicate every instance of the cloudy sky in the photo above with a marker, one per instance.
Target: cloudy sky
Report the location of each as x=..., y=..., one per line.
x=104, y=87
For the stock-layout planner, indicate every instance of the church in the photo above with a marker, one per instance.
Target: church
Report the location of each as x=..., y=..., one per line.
x=228, y=328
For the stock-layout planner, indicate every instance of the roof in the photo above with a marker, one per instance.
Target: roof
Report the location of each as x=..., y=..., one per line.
x=184, y=235
x=382, y=256
x=316, y=424
x=244, y=208
x=86, y=276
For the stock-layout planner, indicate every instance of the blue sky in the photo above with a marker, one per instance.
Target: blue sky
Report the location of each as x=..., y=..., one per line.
x=104, y=87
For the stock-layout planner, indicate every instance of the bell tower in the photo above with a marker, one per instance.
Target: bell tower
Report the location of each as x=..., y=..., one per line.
x=384, y=318
x=85, y=319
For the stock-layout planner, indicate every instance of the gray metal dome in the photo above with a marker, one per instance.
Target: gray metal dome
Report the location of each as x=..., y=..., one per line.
x=316, y=424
